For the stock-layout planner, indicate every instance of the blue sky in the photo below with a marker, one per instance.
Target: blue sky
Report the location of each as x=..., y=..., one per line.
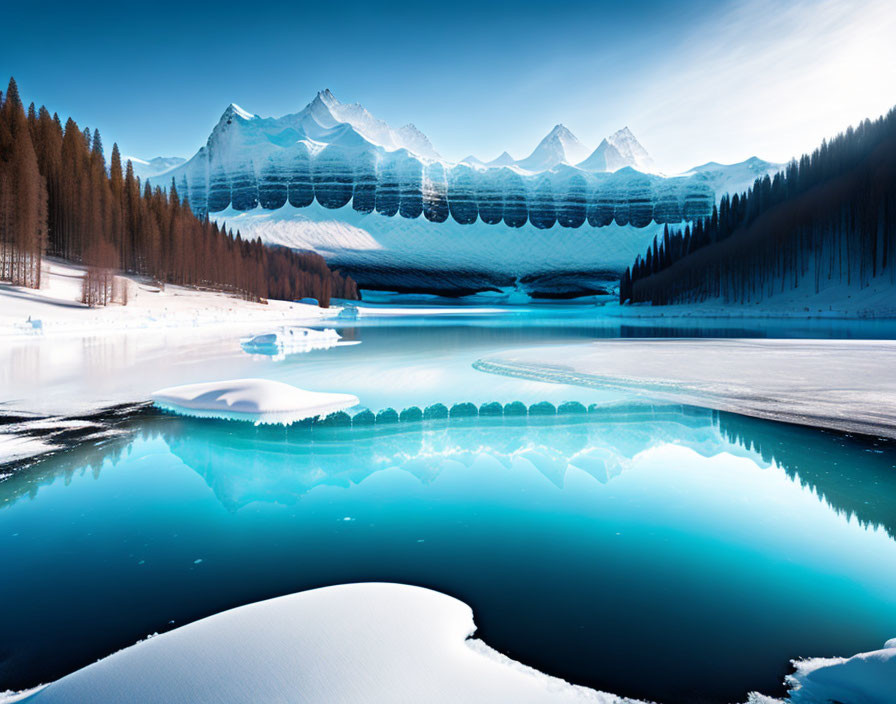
x=694, y=80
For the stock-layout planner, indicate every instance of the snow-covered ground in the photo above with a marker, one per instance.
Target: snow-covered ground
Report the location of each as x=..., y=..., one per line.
x=847, y=385
x=56, y=307
x=370, y=643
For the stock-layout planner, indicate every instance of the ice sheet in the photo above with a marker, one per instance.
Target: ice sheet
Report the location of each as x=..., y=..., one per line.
x=847, y=385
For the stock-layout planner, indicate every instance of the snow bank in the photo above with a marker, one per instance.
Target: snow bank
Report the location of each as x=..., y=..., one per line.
x=866, y=678
x=845, y=385
x=257, y=400
x=351, y=643
x=14, y=448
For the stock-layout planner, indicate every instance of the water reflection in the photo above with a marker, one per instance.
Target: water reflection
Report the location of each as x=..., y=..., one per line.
x=279, y=465
x=575, y=539
x=854, y=475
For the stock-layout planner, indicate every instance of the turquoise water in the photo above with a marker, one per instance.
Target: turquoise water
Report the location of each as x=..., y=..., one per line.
x=654, y=551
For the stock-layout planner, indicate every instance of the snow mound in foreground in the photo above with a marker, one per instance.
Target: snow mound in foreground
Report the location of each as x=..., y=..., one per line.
x=866, y=678
x=351, y=643
x=373, y=643
x=256, y=400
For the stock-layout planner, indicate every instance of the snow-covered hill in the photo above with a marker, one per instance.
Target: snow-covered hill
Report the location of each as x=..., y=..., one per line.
x=144, y=169
x=359, y=172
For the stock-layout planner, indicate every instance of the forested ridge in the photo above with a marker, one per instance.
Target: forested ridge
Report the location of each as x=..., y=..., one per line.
x=829, y=218
x=59, y=197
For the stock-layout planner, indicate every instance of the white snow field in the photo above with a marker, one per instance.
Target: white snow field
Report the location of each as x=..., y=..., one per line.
x=368, y=643
x=395, y=246
x=56, y=307
x=257, y=400
x=847, y=385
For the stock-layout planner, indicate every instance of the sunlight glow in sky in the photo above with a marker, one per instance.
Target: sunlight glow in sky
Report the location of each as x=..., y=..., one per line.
x=695, y=81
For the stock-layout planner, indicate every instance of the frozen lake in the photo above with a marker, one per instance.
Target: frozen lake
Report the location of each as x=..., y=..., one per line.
x=716, y=547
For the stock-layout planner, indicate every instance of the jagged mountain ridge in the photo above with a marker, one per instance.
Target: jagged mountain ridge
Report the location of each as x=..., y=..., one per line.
x=336, y=153
x=335, y=180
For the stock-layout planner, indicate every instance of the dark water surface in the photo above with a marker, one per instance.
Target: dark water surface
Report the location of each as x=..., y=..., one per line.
x=654, y=551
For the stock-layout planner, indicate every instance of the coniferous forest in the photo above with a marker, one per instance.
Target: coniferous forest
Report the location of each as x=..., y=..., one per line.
x=59, y=197
x=829, y=218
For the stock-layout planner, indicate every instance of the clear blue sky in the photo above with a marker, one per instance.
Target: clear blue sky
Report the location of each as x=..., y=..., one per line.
x=694, y=80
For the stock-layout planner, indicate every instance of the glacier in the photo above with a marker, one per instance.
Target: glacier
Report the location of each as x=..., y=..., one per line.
x=381, y=204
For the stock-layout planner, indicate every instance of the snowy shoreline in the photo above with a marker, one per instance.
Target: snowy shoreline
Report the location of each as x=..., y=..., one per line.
x=55, y=309
x=843, y=385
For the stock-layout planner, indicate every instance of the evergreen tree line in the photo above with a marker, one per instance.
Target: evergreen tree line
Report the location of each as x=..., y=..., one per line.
x=58, y=196
x=829, y=218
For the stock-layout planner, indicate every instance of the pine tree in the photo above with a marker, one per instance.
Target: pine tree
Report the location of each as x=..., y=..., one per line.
x=54, y=180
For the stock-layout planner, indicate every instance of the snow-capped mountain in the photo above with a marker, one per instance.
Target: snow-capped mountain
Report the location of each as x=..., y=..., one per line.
x=159, y=165
x=375, y=130
x=560, y=146
x=338, y=180
x=336, y=154
x=605, y=158
x=734, y=178
x=504, y=160
x=631, y=151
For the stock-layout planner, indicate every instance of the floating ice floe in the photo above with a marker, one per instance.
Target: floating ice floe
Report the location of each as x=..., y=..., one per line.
x=290, y=340
x=352, y=643
x=256, y=400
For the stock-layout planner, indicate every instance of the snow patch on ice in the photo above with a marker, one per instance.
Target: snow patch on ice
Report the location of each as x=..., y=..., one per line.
x=257, y=400
x=290, y=340
x=845, y=385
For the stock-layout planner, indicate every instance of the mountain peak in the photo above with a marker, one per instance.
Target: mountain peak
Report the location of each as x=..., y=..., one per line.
x=605, y=158
x=503, y=160
x=326, y=97
x=631, y=151
x=234, y=110
x=559, y=146
x=561, y=130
